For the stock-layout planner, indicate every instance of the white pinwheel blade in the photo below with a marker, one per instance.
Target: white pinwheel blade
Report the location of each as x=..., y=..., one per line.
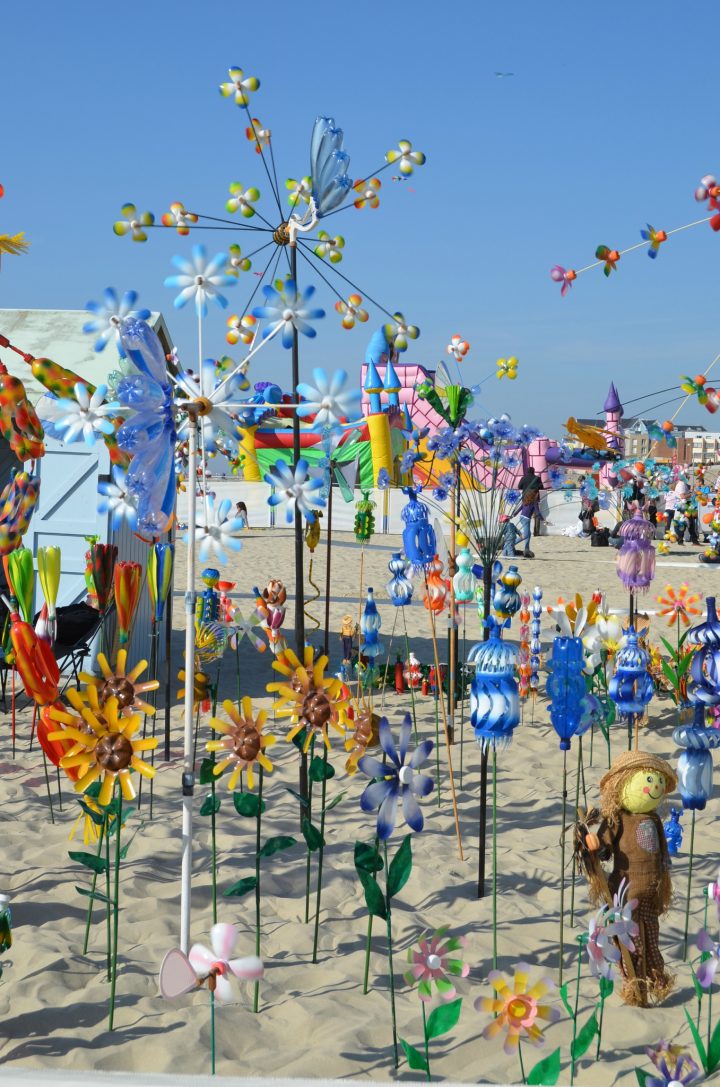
x=177, y=976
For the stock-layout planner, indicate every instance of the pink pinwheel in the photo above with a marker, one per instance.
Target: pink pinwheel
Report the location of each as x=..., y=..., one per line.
x=458, y=348
x=218, y=962
x=611, y=925
x=432, y=961
x=706, y=970
x=563, y=275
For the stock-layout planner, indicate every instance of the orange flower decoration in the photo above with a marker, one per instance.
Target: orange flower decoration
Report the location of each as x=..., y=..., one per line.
x=517, y=1007
x=313, y=701
x=679, y=606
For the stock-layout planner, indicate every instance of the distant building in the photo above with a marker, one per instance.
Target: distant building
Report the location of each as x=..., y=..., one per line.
x=639, y=444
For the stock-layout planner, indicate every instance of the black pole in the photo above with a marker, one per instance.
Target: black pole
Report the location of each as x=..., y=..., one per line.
x=326, y=642
x=299, y=566
x=482, y=830
x=168, y=653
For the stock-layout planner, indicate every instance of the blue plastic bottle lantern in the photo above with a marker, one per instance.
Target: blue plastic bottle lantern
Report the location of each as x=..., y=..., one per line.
x=705, y=666
x=631, y=688
x=506, y=598
x=570, y=709
x=464, y=579
x=399, y=587
x=370, y=623
x=674, y=831
x=695, y=765
x=494, y=698
x=419, y=542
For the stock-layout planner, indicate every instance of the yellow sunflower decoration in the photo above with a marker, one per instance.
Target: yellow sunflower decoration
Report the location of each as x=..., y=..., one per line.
x=313, y=701
x=121, y=684
x=242, y=742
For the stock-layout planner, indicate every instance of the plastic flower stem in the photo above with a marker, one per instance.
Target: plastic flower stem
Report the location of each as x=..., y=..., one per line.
x=256, y=991
x=360, y=606
x=575, y=1014
x=600, y=1025
x=522, y=1066
x=451, y=775
x=387, y=661
x=390, y=960
x=88, y=918
x=494, y=853
x=562, y=866
x=462, y=699
x=689, y=884
x=212, y=1033
x=577, y=806
x=709, y=1026
x=321, y=851
x=427, y=1044
x=153, y=694
x=213, y=827
x=412, y=689
x=308, y=862
x=108, y=904
x=47, y=786
x=116, y=926
x=368, y=939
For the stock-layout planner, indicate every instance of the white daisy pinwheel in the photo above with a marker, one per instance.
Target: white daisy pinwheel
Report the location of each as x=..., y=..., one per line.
x=328, y=399
x=247, y=628
x=405, y=157
x=200, y=279
x=116, y=500
x=217, y=392
x=81, y=419
x=215, y=530
x=205, y=961
x=295, y=488
x=108, y=315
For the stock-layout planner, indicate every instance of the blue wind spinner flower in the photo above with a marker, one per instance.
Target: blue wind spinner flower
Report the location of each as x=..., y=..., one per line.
x=109, y=315
x=396, y=779
x=199, y=279
x=286, y=310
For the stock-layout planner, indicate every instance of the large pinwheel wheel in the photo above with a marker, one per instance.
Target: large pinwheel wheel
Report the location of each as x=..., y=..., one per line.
x=199, y=279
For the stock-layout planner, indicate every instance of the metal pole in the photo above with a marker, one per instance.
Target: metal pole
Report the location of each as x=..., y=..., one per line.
x=188, y=774
x=326, y=642
x=299, y=570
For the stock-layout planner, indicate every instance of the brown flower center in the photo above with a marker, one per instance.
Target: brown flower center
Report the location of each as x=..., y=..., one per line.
x=316, y=709
x=246, y=741
x=120, y=688
x=114, y=752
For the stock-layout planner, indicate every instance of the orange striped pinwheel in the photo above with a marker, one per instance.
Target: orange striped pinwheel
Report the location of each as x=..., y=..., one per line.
x=680, y=605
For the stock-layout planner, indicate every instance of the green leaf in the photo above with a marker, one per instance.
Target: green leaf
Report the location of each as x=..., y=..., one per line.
x=311, y=834
x=699, y=991
x=699, y=1045
x=415, y=1059
x=93, y=894
x=299, y=740
x=93, y=791
x=303, y=800
x=546, y=1071
x=126, y=848
x=334, y=802
x=374, y=899
x=606, y=988
x=95, y=864
x=367, y=858
x=276, y=845
x=584, y=1039
x=443, y=1018
x=248, y=804
x=400, y=868
x=564, y=997
x=320, y=770
x=670, y=648
x=642, y=1076
x=97, y=817
x=210, y=804
x=685, y=664
x=670, y=675
x=714, y=1050
x=242, y=887
x=206, y=774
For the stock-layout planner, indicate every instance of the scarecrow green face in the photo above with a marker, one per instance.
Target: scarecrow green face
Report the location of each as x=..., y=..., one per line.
x=643, y=791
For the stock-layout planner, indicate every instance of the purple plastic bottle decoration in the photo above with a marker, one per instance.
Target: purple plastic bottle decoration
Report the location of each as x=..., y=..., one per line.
x=705, y=666
x=636, y=557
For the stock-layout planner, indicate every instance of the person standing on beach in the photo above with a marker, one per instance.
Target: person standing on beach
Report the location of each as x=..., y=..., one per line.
x=241, y=513
x=529, y=486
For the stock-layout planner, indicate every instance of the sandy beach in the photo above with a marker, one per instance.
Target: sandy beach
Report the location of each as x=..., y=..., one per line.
x=314, y=1019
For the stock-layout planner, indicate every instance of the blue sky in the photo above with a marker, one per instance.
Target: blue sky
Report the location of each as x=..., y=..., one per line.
x=606, y=124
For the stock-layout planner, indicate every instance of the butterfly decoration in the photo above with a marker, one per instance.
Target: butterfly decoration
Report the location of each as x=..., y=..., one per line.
x=609, y=257
x=458, y=348
x=565, y=276
x=449, y=398
x=655, y=237
x=507, y=368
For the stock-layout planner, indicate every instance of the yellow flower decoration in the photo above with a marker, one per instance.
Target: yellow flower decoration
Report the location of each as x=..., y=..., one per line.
x=201, y=688
x=517, y=1007
x=242, y=742
x=314, y=701
x=104, y=745
x=579, y=616
x=121, y=684
x=679, y=606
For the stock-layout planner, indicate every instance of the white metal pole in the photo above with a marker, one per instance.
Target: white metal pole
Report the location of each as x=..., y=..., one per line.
x=188, y=775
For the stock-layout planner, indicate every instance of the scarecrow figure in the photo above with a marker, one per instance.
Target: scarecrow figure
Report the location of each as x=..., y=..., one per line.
x=349, y=630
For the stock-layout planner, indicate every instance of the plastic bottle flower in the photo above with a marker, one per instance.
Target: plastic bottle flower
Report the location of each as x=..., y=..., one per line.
x=679, y=606
x=517, y=1007
x=329, y=164
x=237, y=263
x=705, y=972
x=405, y=157
x=328, y=399
x=398, y=779
x=120, y=684
x=296, y=489
x=116, y=500
x=242, y=200
x=133, y=223
x=572, y=618
x=240, y=86
x=433, y=962
x=241, y=744
x=299, y=192
x=215, y=529
x=400, y=332
x=329, y=247
x=204, y=961
x=351, y=311
x=199, y=279
x=179, y=218
x=108, y=315
x=288, y=309
x=313, y=701
x=241, y=328
x=675, y=1065
x=367, y=193
x=83, y=418
x=458, y=348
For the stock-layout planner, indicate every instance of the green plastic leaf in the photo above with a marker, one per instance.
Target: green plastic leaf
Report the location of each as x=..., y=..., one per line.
x=320, y=770
x=334, y=802
x=206, y=774
x=299, y=740
x=93, y=894
x=670, y=675
x=93, y=791
x=443, y=1018
x=714, y=1050
x=367, y=858
x=415, y=1059
x=564, y=997
x=249, y=883
x=95, y=864
x=276, y=845
x=374, y=899
x=210, y=804
x=248, y=804
x=303, y=800
x=400, y=868
x=699, y=1044
x=584, y=1039
x=606, y=988
x=546, y=1071
x=699, y=991
x=670, y=648
x=642, y=1076
x=311, y=834
x=97, y=817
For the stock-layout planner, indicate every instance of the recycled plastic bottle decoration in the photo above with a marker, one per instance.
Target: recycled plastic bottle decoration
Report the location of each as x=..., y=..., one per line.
x=207, y=603
x=419, y=542
x=437, y=587
x=127, y=578
x=494, y=700
x=524, y=669
x=399, y=587
x=535, y=643
x=464, y=579
x=371, y=647
x=674, y=831
x=570, y=707
x=636, y=557
x=364, y=518
x=695, y=765
x=705, y=665
x=102, y=563
x=159, y=576
x=631, y=688
x=506, y=599
x=270, y=610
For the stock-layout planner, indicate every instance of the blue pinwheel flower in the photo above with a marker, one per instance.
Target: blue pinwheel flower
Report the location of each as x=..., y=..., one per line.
x=295, y=488
x=108, y=316
x=199, y=279
x=288, y=309
x=397, y=778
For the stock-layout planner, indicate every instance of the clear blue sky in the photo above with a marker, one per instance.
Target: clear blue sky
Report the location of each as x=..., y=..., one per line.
x=607, y=123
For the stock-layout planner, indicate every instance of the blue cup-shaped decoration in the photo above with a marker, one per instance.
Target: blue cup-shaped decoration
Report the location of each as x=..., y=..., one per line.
x=705, y=665
x=399, y=587
x=494, y=698
x=631, y=688
x=695, y=765
x=566, y=690
x=419, y=542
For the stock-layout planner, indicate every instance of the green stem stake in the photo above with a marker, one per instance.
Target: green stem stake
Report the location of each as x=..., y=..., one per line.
x=689, y=884
x=116, y=911
x=522, y=1066
x=321, y=852
x=462, y=698
x=577, y=1002
x=390, y=962
x=256, y=992
x=494, y=854
x=600, y=1026
x=577, y=804
x=213, y=836
x=308, y=861
x=369, y=933
x=88, y=919
x=212, y=1033
x=427, y=1044
x=47, y=786
x=108, y=904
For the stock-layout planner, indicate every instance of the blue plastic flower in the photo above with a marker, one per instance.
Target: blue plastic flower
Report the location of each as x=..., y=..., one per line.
x=445, y=443
x=200, y=279
x=409, y=458
x=416, y=435
x=295, y=488
x=398, y=779
x=108, y=315
x=117, y=500
x=528, y=434
x=556, y=476
x=383, y=479
x=328, y=399
x=512, y=496
x=502, y=428
x=511, y=459
x=288, y=309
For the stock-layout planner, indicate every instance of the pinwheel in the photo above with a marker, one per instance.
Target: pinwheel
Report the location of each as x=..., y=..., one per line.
x=247, y=628
x=296, y=489
x=133, y=223
x=329, y=247
x=215, y=529
x=19, y=424
x=258, y=135
x=507, y=368
x=609, y=257
x=200, y=279
x=287, y=310
x=106, y=323
x=329, y=164
x=405, y=157
x=400, y=332
x=396, y=778
x=241, y=328
x=709, y=190
x=240, y=86
x=655, y=238
x=328, y=399
x=299, y=191
x=566, y=276
x=697, y=386
x=14, y=244
x=179, y=218
x=83, y=418
x=237, y=262
x=215, y=393
x=351, y=311
x=242, y=199
x=367, y=193
x=458, y=348
x=116, y=500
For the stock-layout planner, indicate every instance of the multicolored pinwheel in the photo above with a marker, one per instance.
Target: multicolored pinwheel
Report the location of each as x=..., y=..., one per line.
x=458, y=348
x=351, y=311
x=133, y=223
x=178, y=217
x=655, y=238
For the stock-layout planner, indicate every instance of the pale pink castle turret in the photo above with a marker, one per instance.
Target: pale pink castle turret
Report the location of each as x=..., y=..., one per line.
x=613, y=428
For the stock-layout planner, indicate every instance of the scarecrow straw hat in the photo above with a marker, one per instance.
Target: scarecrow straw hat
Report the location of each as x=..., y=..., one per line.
x=637, y=760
